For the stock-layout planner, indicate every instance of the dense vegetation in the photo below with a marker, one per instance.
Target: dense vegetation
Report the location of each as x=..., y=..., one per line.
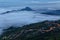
x=47, y=30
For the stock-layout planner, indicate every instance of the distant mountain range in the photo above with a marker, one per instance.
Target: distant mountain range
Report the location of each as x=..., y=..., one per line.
x=24, y=9
x=52, y=12
x=48, y=12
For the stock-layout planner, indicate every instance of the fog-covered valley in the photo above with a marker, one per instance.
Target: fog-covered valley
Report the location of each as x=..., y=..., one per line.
x=20, y=18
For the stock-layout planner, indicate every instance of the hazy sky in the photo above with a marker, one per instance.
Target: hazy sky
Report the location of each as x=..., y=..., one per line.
x=27, y=0
x=9, y=3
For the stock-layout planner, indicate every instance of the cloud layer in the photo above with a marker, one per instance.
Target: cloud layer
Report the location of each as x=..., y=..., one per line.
x=23, y=18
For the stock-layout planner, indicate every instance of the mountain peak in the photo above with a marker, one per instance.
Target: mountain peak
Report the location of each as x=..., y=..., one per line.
x=27, y=9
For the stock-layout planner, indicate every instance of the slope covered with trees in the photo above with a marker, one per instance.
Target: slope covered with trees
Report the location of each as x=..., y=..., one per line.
x=47, y=30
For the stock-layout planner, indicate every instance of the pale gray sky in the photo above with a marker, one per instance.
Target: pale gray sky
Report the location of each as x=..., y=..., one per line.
x=34, y=3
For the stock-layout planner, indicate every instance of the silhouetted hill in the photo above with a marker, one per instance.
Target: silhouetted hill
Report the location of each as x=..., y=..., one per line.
x=27, y=9
x=47, y=30
x=23, y=9
x=52, y=12
x=18, y=10
x=43, y=11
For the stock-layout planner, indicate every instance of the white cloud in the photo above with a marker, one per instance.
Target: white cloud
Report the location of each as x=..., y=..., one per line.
x=23, y=18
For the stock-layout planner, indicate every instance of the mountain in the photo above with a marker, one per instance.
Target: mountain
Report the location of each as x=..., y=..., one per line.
x=42, y=11
x=47, y=30
x=27, y=9
x=24, y=9
x=52, y=12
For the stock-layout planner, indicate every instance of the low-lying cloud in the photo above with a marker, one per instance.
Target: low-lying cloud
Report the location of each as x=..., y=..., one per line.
x=23, y=18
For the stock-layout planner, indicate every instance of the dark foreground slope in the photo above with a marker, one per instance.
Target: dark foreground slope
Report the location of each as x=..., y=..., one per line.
x=47, y=30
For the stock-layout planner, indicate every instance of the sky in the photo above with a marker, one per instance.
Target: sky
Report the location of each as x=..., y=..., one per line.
x=33, y=3
x=27, y=0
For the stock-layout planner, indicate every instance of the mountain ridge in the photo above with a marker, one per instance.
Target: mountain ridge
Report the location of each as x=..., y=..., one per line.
x=23, y=9
x=52, y=12
x=42, y=11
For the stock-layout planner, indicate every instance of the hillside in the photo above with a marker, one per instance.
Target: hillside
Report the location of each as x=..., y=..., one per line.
x=47, y=30
x=52, y=12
